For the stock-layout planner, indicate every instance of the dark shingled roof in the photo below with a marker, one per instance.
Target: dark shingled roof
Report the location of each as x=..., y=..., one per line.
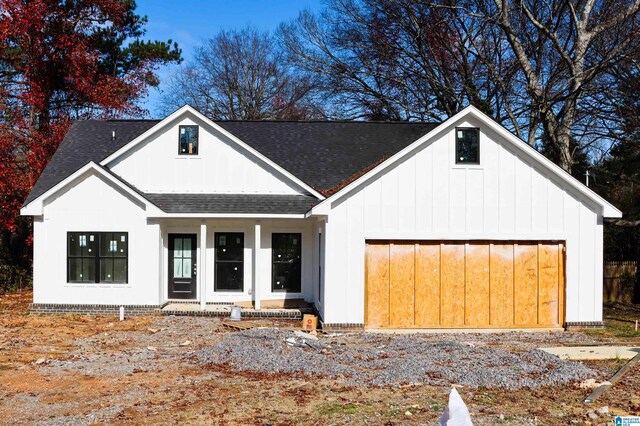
x=87, y=140
x=324, y=155
x=233, y=203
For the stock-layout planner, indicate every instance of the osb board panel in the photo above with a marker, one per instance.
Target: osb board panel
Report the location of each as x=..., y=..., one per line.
x=427, y=282
x=377, y=285
x=561, y=283
x=525, y=294
x=452, y=285
x=401, y=288
x=501, y=285
x=465, y=284
x=549, y=286
x=476, y=306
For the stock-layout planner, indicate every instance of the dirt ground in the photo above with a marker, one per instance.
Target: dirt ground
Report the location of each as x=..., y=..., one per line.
x=136, y=372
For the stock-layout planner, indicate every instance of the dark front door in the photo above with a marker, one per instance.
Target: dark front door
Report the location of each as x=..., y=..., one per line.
x=182, y=266
x=229, y=272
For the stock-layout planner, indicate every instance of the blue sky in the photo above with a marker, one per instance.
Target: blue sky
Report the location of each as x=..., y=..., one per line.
x=190, y=21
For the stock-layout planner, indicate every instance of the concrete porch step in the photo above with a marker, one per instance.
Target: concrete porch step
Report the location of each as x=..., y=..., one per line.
x=193, y=309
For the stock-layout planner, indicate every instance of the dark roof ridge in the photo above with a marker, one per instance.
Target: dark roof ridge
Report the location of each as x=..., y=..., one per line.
x=328, y=121
x=117, y=120
x=157, y=120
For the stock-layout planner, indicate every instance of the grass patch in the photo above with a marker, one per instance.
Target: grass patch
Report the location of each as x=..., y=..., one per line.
x=620, y=322
x=615, y=328
x=331, y=409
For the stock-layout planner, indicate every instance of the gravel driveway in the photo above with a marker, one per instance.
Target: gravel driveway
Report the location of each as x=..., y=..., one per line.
x=475, y=361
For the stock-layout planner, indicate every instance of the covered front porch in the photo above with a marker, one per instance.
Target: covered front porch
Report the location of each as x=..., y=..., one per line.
x=209, y=264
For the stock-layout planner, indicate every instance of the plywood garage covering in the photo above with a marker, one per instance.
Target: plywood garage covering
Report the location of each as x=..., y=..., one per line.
x=480, y=284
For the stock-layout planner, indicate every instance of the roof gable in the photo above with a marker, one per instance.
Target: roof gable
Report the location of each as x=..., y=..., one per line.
x=188, y=110
x=607, y=209
x=221, y=165
x=35, y=208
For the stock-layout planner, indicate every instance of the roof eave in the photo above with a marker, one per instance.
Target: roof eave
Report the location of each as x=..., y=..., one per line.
x=165, y=215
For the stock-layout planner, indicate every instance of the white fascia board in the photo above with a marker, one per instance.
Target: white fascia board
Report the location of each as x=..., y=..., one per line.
x=311, y=213
x=608, y=210
x=189, y=109
x=163, y=215
x=35, y=207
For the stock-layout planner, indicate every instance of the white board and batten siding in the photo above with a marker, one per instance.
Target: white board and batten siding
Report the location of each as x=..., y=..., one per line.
x=95, y=204
x=221, y=166
x=426, y=196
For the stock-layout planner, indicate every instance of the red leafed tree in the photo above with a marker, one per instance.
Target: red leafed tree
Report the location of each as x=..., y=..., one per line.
x=61, y=60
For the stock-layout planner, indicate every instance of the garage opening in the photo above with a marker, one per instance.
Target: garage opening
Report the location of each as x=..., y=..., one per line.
x=464, y=284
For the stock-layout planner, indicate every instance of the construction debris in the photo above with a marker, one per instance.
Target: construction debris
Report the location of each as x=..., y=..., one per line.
x=591, y=384
x=306, y=335
x=309, y=322
x=239, y=326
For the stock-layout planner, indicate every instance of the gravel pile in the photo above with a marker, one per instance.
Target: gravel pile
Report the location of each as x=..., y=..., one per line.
x=372, y=359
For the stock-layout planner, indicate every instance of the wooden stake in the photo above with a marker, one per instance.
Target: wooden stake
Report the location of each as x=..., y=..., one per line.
x=614, y=379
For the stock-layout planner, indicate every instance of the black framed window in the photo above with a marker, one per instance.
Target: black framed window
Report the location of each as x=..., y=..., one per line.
x=467, y=145
x=97, y=257
x=229, y=261
x=82, y=251
x=114, y=252
x=286, y=273
x=188, y=140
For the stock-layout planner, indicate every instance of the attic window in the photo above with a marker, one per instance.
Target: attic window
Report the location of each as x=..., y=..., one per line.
x=188, y=140
x=467, y=145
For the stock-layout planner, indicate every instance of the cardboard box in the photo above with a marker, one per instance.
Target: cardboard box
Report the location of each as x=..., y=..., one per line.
x=309, y=322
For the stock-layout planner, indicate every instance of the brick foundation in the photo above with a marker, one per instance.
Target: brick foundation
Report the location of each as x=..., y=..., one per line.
x=293, y=314
x=574, y=326
x=341, y=327
x=102, y=310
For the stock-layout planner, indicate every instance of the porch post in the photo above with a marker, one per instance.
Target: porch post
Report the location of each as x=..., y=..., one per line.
x=256, y=264
x=202, y=266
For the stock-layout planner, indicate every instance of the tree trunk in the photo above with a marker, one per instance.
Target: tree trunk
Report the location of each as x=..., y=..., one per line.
x=562, y=144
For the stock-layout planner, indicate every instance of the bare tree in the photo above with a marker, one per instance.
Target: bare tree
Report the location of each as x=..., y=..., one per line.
x=238, y=75
x=582, y=41
x=540, y=67
x=400, y=60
